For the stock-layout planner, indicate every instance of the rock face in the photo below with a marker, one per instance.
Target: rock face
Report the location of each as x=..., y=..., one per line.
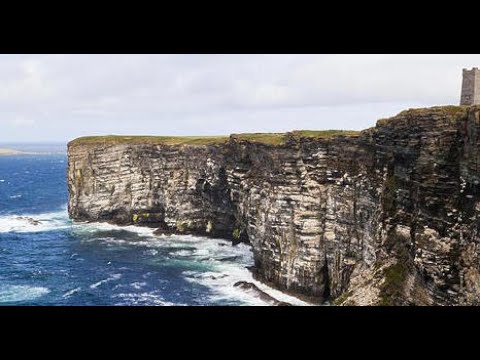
x=386, y=217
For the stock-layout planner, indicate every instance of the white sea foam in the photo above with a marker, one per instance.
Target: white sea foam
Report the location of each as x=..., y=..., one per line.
x=108, y=240
x=71, y=292
x=98, y=226
x=104, y=281
x=221, y=283
x=182, y=253
x=147, y=275
x=44, y=222
x=145, y=298
x=228, y=263
x=19, y=293
x=138, y=285
x=16, y=196
x=151, y=252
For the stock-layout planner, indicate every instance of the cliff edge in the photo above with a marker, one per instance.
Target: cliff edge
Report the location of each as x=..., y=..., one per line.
x=387, y=216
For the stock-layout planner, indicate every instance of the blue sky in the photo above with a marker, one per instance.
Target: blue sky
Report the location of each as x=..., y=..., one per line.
x=56, y=98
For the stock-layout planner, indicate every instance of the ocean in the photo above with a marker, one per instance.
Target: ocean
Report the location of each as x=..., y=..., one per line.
x=46, y=259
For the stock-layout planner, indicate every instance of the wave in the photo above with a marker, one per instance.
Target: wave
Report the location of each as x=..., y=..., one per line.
x=227, y=264
x=71, y=292
x=25, y=223
x=19, y=293
x=213, y=263
x=221, y=284
x=138, y=284
x=143, y=299
x=99, y=226
x=107, y=280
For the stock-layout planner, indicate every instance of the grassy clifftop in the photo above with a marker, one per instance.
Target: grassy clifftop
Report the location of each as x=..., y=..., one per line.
x=155, y=140
x=280, y=138
x=264, y=138
x=450, y=113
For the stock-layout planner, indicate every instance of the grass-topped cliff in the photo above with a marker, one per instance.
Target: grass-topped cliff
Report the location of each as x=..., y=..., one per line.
x=385, y=217
x=154, y=140
x=265, y=138
x=450, y=113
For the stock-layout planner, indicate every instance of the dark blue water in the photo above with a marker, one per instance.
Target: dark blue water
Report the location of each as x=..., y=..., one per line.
x=45, y=259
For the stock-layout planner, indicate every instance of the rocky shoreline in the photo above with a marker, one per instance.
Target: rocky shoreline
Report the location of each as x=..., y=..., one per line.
x=389, y=216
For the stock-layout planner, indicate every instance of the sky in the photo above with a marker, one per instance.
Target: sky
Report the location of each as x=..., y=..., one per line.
x=56, y=98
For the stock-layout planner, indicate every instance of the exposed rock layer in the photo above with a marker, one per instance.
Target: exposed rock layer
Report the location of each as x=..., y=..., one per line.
x=390, y=216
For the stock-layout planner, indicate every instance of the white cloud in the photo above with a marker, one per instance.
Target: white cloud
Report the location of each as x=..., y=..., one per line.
x=21, y=122
x=70, y=95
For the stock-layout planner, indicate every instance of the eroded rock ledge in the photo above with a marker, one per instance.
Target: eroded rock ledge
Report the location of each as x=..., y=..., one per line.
x=389, y=216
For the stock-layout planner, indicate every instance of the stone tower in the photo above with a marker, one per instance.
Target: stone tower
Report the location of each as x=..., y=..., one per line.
x=470, y=87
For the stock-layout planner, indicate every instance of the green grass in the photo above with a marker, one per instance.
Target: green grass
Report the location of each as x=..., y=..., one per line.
x=392, y=288
x=448, y=110
x=155, y=140
x=236, y=234
x=395, y=276
x=280, y=138
x=323, y=134
x=263, y=138
x=452, y=112
x=342, y=298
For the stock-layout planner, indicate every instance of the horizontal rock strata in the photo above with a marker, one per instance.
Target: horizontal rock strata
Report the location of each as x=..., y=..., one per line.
x=386, y=217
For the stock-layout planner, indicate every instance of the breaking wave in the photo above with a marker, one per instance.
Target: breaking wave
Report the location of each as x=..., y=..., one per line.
x=26, y=223
x=107, y=280
x=20, y=293
x=71, y=292
x=212, y=263
x=144, y=298
x=222, y=264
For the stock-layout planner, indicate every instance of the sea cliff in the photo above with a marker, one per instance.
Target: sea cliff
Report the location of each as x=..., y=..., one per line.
x=386, y=216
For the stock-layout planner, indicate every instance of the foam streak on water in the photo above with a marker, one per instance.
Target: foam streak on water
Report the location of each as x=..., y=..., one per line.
x=104, y=281
x=71, y=292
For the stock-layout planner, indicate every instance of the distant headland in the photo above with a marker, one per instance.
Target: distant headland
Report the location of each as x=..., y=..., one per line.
x=5, y=152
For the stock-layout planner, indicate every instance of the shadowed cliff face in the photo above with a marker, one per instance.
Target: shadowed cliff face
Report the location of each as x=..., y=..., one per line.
x=387, y=217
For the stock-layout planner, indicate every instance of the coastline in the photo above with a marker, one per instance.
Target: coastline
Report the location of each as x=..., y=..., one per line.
x=11, y=152
x=268, y=288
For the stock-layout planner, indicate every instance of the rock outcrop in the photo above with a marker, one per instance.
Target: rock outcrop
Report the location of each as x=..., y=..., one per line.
x=389, y=216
